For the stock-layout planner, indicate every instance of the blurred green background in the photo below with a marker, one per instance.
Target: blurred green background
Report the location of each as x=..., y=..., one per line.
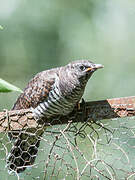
x=38, y=35
x=43, y=34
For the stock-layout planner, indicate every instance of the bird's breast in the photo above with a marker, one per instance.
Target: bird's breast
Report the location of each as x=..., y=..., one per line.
x=58, y=104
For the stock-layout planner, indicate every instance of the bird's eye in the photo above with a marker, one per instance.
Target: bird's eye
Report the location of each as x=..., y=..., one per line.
x=82, y=68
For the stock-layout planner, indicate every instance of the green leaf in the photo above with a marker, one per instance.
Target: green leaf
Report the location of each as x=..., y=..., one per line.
x=1, y=27
x=7, y=87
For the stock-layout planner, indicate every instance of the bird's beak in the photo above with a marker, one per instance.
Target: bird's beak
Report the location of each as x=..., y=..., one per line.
x=98, y=66
x=89, y=69
x=94, y=67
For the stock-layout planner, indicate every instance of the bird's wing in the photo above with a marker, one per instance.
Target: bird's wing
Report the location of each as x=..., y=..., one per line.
x=25, y=147
x=36, y=91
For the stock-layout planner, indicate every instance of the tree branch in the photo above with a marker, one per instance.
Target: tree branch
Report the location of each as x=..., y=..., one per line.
x=96, y=110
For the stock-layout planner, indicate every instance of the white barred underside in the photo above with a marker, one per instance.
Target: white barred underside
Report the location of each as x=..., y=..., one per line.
x=54, y=104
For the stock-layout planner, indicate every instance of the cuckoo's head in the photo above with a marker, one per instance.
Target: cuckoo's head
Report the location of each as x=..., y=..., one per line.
x=82, y=69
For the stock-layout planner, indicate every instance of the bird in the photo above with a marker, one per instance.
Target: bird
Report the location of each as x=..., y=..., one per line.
x=50, y=93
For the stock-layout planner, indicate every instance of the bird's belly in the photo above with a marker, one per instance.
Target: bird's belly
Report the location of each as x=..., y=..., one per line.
x=58, y=104
x=50, y=108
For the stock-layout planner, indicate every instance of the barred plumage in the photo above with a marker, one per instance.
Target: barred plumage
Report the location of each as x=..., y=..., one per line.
x=50, y=93
x=56, y=104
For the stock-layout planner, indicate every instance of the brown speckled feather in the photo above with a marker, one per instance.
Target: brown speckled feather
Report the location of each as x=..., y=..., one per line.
x=36, y=91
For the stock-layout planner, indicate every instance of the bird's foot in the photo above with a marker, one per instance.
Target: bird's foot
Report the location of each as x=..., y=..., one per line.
x=84, y=112
x=82, y=106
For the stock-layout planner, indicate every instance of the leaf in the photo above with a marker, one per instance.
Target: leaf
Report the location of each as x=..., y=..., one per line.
x=1, y=27
x=7, y=87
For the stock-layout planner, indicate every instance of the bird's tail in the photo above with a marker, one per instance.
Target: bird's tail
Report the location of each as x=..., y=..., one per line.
x=24, y=150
